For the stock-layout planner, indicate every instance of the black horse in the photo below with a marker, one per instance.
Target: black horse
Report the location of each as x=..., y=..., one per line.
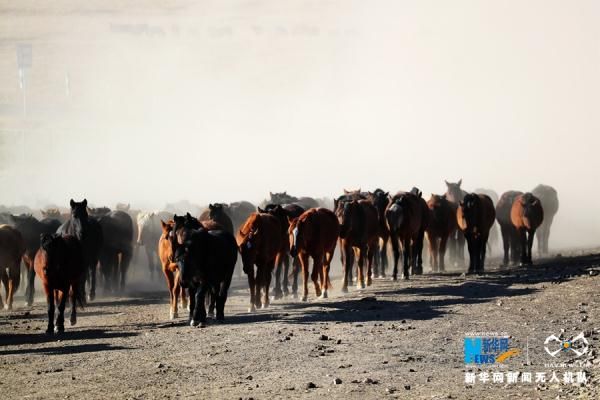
x=89, y=233
x=117, y=249
x=31, y=229
x=381, y=200
x=206, y=261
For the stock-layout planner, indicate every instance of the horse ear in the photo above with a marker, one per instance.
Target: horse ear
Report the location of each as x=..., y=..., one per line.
x=387, y=194
x=162, y=224
x=447, y=183
x=84, y=202
x=72, y=203
x=210, y=207
x=188, y=215
x=260, y=210
x=459, y=182
x=271, y=194
x=346, y=191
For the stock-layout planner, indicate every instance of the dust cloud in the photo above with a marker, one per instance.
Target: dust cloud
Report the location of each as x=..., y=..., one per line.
x=149, y=103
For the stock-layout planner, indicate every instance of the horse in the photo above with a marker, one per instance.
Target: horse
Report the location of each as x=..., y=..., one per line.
x=510, y=238
x=314, y=234
x=206, y=261
x=148, y=234
x=216, y=212
x=494, y=236
x=455, y=195
x=359, y=230
x=170, y=269
x=284, y=213
x=59, y=264
x=549, y=198
x=381, y=200
x=526, y=214
x=442, y=224
x=406, y=219
x=284, y=198
x=31, y=229
x=259, y=243
x=117, y=249
x=54, y=213
x=475, y=216
x=12, y=248
x=89, y=232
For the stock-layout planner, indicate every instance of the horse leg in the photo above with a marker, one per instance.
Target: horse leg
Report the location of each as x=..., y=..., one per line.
x=30, y=273
x=50, y=302
x=60, y=320
x=325, y=284
x=278, y=293
x=523, y=241
x=172, y=285
x=268, y=272
x=192, y=296
x=483, y=244
x=252, y=285
x=199, y=313
x=383, y=256
x=432, y=253
x=418, y=256
x=296, y=271
x=371, y=250
x=150, y=257
x=13, y=283
x=212, y=303
x=304, y=262
x=124, y=267
x=442, y=253
x=396, y=251
x=505, y=231
x=406, y=253
x=286, y=271
x=317, y=272
x=530, y=245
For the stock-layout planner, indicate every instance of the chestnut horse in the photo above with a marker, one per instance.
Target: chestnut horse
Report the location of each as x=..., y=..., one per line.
x=359, y=230
x=475, y=216
x=406, y=218
x=314, y=234
x=12, y=248
x=259, y=243
x=442, y=224
x=510, y=238
x=549, y=198
x=60, y=265
x=169, y=268
x=526, y=215
x=284, y=213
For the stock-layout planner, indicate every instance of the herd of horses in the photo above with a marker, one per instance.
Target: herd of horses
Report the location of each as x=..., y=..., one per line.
x=198, y=255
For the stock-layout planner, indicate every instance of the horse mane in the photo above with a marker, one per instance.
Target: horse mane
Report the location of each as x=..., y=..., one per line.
x=252, y=221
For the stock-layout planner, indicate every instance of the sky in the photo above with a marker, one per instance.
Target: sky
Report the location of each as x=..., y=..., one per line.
x=227, y=100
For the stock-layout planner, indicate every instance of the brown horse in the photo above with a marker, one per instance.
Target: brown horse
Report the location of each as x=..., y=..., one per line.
x=510, y=238
x=359, y=230
x=442, y=224
x=170, y=270
x=216, y=212
x=12, y=248
x=259, y=243
x=60, y=265
x=314, y=234
x=284, y=213
x=406, y=219
x=526, y=215
x=475, y=216
x=549, y=198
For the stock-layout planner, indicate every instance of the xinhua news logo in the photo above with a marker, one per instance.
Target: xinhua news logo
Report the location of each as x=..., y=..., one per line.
x=488, y=349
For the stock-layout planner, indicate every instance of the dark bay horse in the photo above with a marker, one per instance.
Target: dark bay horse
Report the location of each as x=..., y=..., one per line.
x=259, y=243
x=284, y=198
x=117, y=249
x=206, y=261
x=31, y=229
x=314, y=234
x=475, y=216
x=406, y=219
x=89, y=232
x=526, y=215
x=12, y=248
x=549, y=198
x=381, y=200
x=511, y=242
x=60, y=267
x=216, y=212
x=455, y=195
x=284, y=213
x=442, y=225
x=359, y=229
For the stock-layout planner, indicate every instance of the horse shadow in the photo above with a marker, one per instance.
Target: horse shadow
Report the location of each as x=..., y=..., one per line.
x=74, y=349
x=9, y=339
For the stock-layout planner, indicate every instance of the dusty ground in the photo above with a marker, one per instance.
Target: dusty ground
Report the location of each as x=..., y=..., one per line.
x=394, y=339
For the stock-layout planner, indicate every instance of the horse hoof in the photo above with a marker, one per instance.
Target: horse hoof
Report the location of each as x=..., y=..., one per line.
x=252, y=308
x=295, y=296
x=50, y=332
x=304, y=298
x=59, y=329
x=264, y=306
x=91, y=297
x=344, y=289
x=194, y=323
x=173, y=315
x=277, y=296
x=28, y=303
x=323, y=295
x=220, y=320
x=7, y=307
x=202, y=324
x=369, y=282
x=405, y=277
x=73, y=321
x=394, y=278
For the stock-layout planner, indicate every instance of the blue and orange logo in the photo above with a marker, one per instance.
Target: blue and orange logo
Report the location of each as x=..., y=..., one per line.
x=488, y=350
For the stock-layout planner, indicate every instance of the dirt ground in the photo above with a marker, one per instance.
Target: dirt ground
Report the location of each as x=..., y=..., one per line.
x=393, y=339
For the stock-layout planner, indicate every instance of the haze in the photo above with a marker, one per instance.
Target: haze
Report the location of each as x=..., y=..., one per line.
x=227, y=100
